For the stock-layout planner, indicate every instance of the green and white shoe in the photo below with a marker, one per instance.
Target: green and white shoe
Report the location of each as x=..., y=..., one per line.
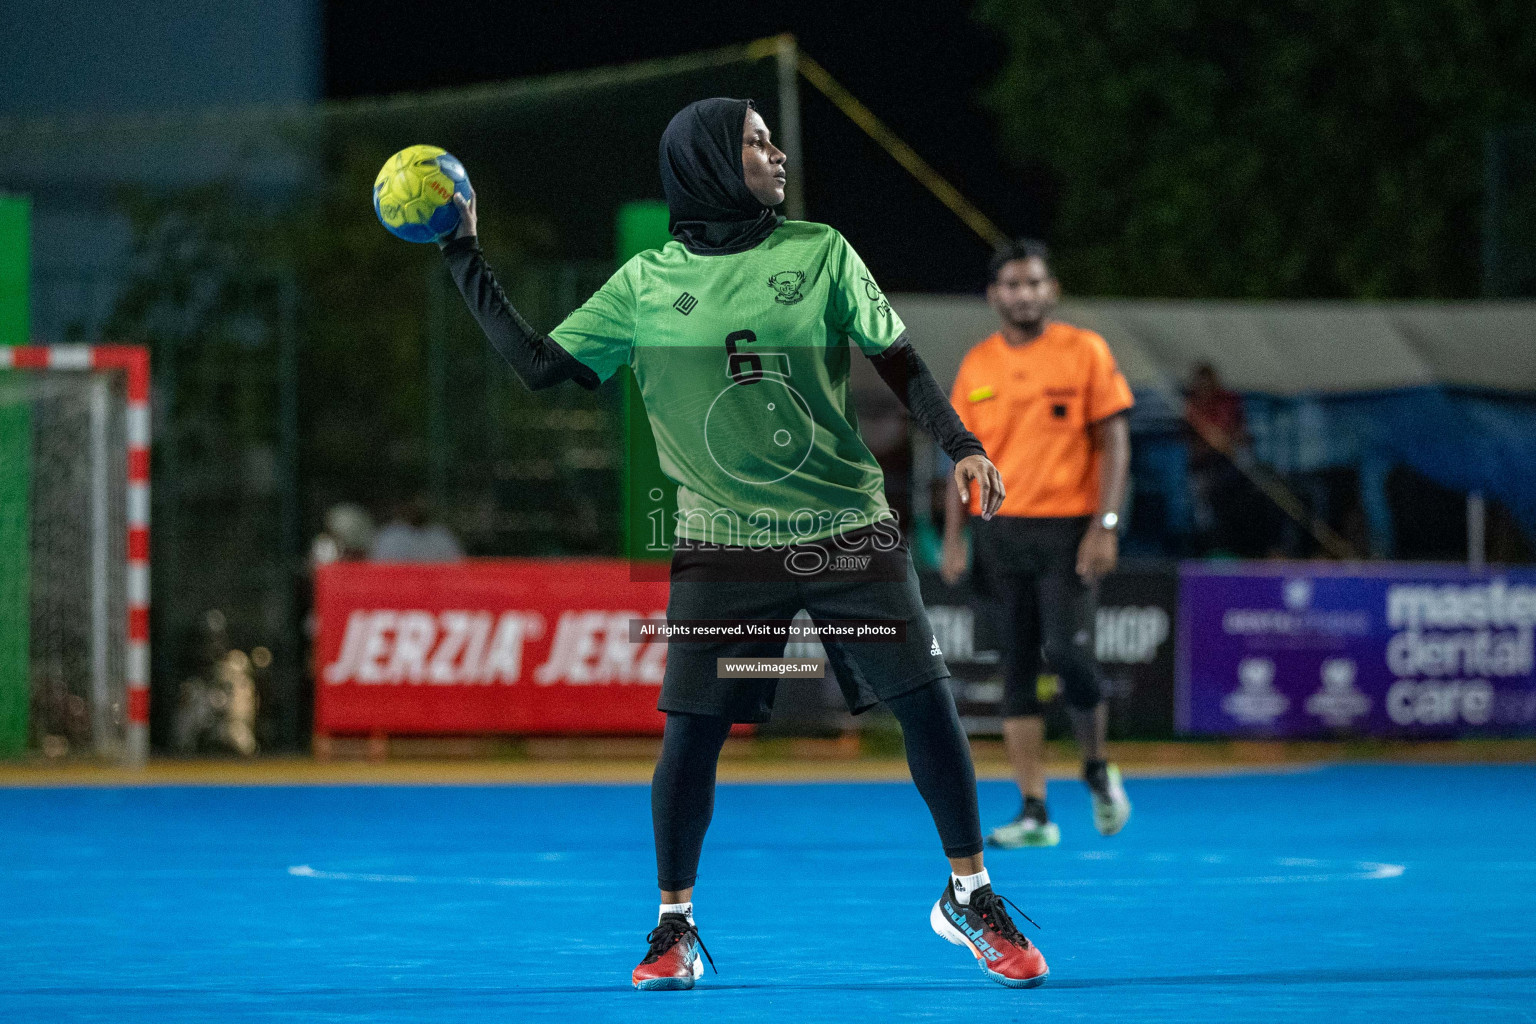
x=1024, y=832
x=1111, y=807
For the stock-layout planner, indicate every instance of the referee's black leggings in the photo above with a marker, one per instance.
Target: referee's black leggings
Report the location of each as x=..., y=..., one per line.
x=683, y=788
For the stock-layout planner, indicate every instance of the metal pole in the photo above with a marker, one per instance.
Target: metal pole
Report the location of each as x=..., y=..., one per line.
x=1491, y=213
x=288, y=406
x=102, y=735
x=1477, y=531
x=137, y=429
x=165, y=512
x=290, y=543
x=789, y=125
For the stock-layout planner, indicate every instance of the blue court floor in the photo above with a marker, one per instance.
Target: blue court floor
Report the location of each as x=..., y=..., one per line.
x=1343, y=894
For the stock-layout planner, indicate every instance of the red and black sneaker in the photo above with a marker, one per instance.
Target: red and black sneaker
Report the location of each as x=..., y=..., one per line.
x=673, y=960
x=984, y=927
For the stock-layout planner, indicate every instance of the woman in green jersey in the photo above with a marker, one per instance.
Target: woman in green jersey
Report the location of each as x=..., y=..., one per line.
x=740, y=333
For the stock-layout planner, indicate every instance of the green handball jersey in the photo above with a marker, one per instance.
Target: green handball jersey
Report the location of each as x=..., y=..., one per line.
x=743, y=363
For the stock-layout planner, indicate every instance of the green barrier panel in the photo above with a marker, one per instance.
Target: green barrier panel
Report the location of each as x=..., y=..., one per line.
x=15, y=486
x=15, y=268
x=15, y=565
x=650, y=499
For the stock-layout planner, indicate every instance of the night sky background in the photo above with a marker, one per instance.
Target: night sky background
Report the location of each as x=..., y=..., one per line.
x=918, y=67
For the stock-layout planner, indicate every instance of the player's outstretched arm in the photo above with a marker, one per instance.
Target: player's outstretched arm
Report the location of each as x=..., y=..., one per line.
x=537, y=361
x=905, y=373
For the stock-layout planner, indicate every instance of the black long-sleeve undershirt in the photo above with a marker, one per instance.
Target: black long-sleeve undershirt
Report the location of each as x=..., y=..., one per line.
x=537, y=361
x=904, y=371
x=540, y=362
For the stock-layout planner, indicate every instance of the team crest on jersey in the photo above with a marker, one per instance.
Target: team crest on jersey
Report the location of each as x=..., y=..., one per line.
x=786, y=286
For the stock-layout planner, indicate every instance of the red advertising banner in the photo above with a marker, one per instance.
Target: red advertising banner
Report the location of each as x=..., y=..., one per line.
x=486, y=646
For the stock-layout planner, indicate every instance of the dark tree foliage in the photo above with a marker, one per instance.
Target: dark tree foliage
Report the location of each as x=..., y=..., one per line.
x=1290, y=148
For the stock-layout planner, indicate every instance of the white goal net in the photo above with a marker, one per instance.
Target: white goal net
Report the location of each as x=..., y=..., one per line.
x=73, y=597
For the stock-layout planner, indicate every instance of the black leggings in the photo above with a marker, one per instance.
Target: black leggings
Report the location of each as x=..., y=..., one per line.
x=683, y=788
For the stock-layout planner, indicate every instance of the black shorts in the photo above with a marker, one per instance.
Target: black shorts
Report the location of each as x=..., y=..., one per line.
x=1028, y=567
x=830, y=581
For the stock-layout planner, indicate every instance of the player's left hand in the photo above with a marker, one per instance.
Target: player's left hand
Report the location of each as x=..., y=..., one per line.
x=1097, y=553
x=980, y=469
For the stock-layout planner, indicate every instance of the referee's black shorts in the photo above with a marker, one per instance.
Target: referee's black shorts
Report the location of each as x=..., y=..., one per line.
x=1028, y=567
x=829, y=580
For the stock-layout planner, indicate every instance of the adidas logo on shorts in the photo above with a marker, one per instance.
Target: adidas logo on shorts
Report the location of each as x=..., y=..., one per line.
x=933, y=648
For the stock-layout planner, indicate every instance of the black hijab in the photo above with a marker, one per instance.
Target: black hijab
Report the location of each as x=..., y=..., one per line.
x=713, y=211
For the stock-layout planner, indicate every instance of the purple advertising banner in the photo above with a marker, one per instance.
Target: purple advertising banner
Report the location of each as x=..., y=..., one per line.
x=1292, y=650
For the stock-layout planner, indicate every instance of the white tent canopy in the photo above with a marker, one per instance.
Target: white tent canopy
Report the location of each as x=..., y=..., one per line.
x=1272, y=347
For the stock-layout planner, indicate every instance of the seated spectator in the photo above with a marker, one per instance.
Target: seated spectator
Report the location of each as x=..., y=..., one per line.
x=1217, y=437
x=411, y=536
x=1215, y=416
x=348, y=536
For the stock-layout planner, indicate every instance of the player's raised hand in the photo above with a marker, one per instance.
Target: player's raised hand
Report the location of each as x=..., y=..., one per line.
x=466, y=215
x=980, y=469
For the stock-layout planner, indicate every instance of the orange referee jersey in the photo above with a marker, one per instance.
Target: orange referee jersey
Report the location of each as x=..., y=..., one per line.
x=1031, y=406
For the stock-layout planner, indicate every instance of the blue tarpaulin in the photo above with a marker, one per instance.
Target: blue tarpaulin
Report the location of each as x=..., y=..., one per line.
x=1463, y=440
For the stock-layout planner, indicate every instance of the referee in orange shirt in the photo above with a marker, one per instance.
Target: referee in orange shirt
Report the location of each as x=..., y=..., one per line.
x=1049, y=405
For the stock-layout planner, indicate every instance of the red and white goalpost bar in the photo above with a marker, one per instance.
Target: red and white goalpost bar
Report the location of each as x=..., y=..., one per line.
x=133, y=360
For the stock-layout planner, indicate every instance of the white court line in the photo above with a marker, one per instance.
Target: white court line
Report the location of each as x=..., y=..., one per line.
x=1365, y=871
x=305, y=871
x=1369, y=872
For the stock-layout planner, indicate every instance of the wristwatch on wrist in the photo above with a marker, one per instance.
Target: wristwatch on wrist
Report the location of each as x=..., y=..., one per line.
x=1109, y=520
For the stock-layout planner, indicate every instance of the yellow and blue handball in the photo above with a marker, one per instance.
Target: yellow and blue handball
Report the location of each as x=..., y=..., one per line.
x=413, y=194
